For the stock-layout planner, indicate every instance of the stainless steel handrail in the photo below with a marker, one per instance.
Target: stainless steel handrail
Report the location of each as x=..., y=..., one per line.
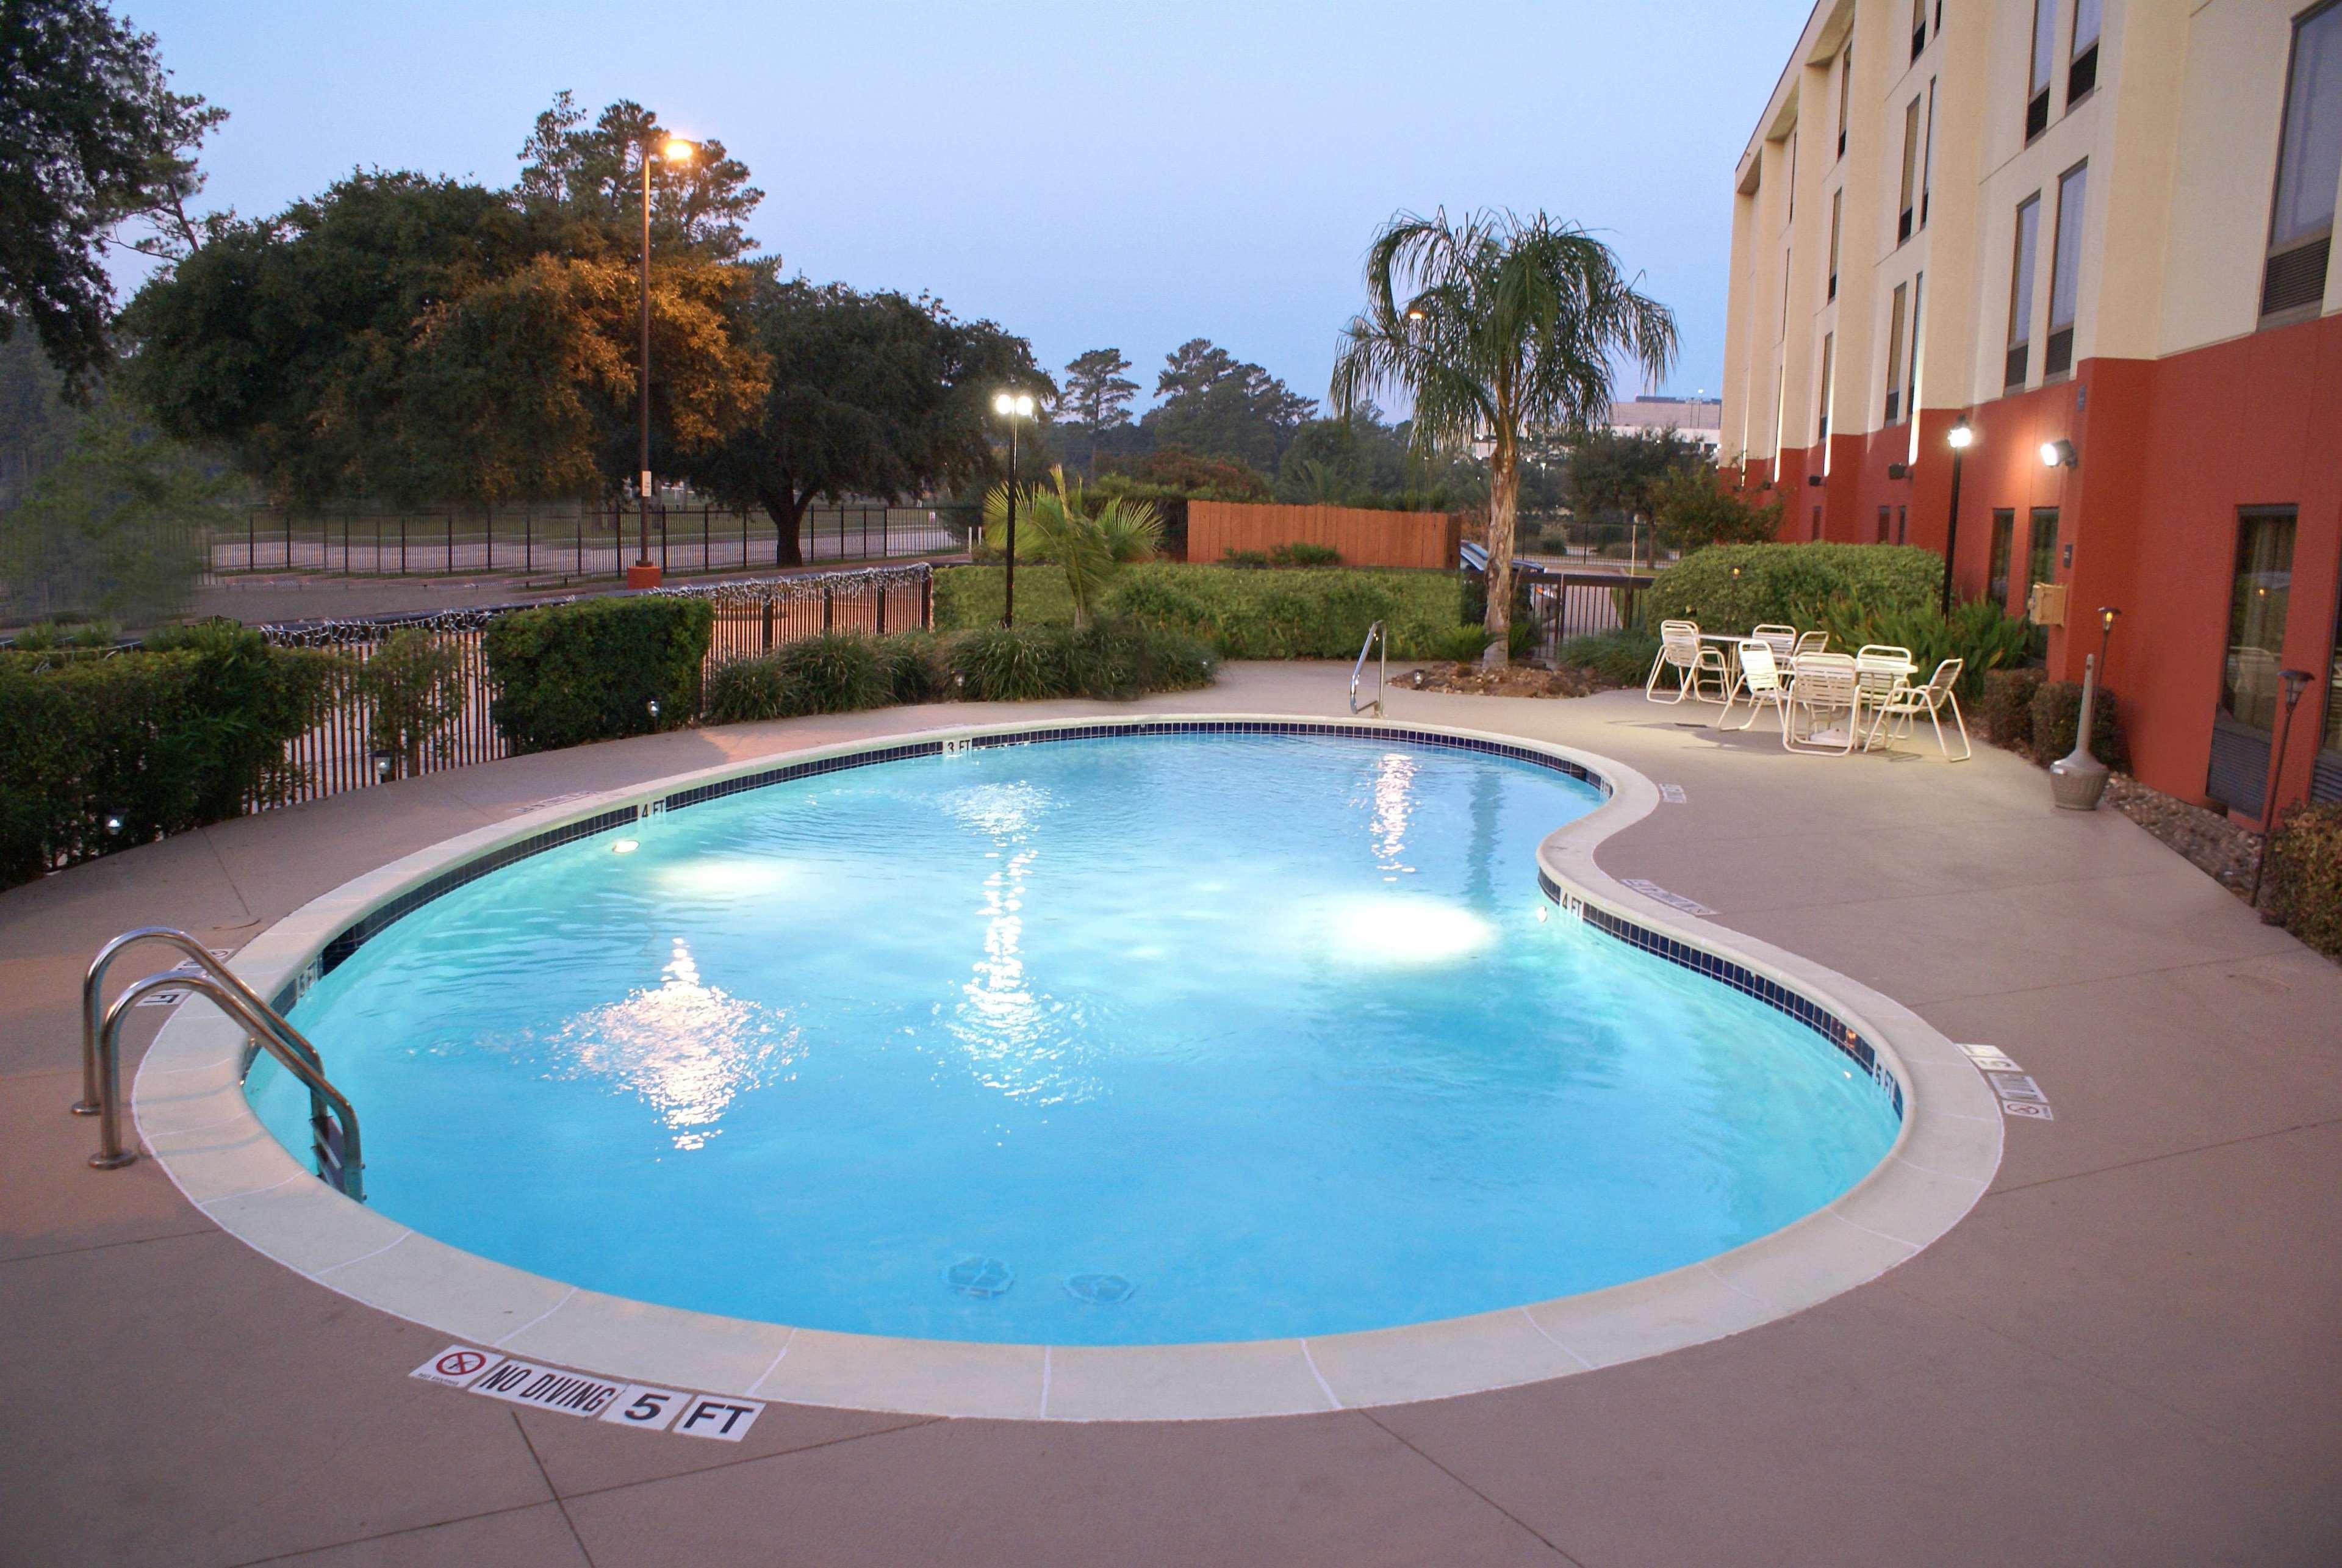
x=1375, y=634
x=93, y=1001
x=340, y=1156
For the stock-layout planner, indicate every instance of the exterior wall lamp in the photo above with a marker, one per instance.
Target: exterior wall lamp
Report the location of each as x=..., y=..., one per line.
x=2059, y=454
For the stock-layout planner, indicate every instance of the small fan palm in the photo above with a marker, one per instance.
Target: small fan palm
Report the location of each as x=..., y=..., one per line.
x=1499, y=326
x=1056, y=524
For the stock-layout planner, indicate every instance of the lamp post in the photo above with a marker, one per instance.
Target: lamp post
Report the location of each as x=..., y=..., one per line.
x=2294, y=680
x=1962, y=435
x=642, y=574
x=1011, y=407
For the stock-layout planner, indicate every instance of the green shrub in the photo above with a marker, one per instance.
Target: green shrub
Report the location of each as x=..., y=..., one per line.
x=1320, y=613
x=47, y=634
x=1002, y=664
x=155, y=741
x=413, y=690
x=2057, y=710
x=2304, y=870
x=1618, y=658
x=1733, y=587
x=2006, y=709
x=597, y=669
x=1253, y=560
x=913, y=665
x=1979, y=633
x=1305, y=556
x=746, y=691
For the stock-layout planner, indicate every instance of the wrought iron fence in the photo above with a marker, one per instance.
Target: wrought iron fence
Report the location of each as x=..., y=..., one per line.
x=1580, y=603
x=341, y=748
x=575, y=542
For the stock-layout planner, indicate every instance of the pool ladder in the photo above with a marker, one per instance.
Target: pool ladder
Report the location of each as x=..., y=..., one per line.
x=1374, y=636
x=333, y=1122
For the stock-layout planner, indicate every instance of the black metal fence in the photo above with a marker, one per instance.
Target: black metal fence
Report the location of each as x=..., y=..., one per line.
x=574, y=541
x=1581, y=604
x=342, y=750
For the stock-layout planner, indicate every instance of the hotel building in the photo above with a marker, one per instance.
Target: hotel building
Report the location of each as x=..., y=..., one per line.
x=2097, y=233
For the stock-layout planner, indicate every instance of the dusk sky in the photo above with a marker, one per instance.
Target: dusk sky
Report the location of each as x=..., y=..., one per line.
x=1086, y=174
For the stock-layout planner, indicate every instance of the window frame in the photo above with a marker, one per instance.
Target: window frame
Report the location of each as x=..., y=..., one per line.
x=2041, y=70
x=2057, y=355
x=2003, y=554
x=1895, y=354
x=1910, y=168
x=2082, y=54
x=2273, y=253
x=2024, y=263
x=1829, y=372
x=1837, y=220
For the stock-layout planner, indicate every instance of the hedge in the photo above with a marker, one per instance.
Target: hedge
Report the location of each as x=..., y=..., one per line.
x=843, y=671
x=1789, y=584
x=2057, y=711
x=568, y=674
x=1321, y=613
x=2305, y=868
x=158, y=740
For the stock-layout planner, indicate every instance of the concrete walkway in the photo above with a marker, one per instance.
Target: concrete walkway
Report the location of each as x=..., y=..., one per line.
x=2131, y=1351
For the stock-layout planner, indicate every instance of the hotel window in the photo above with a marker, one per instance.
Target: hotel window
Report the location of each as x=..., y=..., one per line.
x=1882, y=513
x=1785, y=293
x=2020, y=290
x=1895, y=359
x=2004, y=538
x=1817, y=522
x=1838, y=214
x=1844, y=93
x=1821, y=422
x=2064, y=272
x=1927, y=154
x=1793, y=171
x=1902, y=525
x=2257, y=598
x=2041, y=565
x=2044, y=51
x=2308, y=163
x=1911, y=361
x=1910, y=169
x=2082, y=73
x=1918, y=27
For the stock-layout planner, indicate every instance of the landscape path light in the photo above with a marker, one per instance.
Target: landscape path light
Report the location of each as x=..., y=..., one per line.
x=1012, y=406
x=642, y=574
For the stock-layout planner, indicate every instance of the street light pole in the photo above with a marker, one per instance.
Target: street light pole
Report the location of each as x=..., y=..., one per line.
x=1013, y=406
x=643, y=573
x=1961, y=434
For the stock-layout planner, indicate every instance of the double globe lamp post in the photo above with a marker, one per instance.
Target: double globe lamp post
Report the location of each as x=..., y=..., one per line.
x=1013, y=406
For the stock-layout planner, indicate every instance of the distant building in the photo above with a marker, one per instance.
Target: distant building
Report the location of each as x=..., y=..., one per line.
x=1699, y=419
x=2092, y=238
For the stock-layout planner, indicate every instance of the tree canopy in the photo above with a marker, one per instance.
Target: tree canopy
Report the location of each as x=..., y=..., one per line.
x=874, y=393
x=1097, y=398
x=1216, y=404
x=1615, y=477
x=90, y=134
x=1496, y=327
x=409, y=337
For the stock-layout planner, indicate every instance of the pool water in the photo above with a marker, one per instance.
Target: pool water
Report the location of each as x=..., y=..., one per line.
x=1127, y=1041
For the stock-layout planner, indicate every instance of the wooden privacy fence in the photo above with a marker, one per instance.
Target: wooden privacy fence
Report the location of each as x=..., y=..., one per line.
x=340, y=749
x=1365, y=538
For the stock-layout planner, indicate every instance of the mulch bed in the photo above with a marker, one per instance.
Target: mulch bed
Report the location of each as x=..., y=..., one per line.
x=1513, y=680
x=2210, y=841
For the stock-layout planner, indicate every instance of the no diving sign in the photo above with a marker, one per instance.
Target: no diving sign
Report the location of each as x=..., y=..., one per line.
x=719, y=1416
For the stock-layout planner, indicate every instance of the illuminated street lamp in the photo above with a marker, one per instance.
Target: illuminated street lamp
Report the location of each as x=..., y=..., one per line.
x=1012, y=406
x=642, y=574
x=1959, y=439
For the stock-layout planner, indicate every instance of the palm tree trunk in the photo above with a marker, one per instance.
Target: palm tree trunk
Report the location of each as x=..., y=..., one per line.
x=1504, y=500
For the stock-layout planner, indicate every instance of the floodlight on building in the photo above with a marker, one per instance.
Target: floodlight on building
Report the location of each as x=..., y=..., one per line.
x=2059, y=454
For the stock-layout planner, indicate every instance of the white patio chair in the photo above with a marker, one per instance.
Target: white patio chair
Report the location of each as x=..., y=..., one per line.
x=1879, y=669
x=1813, y=642
x=1693, y=661
x=1781, y=639
x=1760, y=679
x=1824, y=693
x=1900, y=713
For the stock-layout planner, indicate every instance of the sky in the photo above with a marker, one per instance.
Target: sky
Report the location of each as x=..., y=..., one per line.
x=1113, y=173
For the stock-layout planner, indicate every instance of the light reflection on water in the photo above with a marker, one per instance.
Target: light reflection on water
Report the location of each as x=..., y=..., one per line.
x=685, y=1047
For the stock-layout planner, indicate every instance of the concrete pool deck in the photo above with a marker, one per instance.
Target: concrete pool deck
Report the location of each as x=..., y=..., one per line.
x=2127, y=1352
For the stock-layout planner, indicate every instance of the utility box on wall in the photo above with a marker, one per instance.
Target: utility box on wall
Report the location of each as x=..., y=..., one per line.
x=2046, y=605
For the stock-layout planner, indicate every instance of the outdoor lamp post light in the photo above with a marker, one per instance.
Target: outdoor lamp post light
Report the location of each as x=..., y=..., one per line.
x=1960, y=438
x=642, y=574
x=2107, y=614
x=1011, y=407
x=2294, y=680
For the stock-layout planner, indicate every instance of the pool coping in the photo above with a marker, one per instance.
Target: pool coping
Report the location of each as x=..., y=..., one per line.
x=191, y=1112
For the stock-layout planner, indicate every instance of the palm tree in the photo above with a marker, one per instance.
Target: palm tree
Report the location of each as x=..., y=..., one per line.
x=1056, y=525
x=1497, y=328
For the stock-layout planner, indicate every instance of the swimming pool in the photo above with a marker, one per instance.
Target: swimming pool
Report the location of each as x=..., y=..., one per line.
x=1142, y=1039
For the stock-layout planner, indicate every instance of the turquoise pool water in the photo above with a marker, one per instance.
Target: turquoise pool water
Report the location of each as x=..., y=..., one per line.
x=1124, y=1041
